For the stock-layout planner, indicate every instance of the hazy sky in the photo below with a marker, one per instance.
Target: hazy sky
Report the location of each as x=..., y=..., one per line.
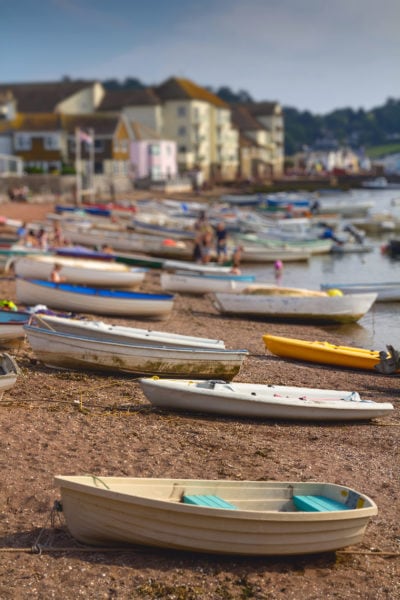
x=310, y=54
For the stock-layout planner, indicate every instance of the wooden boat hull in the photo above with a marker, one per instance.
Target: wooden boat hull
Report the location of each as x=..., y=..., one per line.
x=322, y=352
x=261, y=401
x=69, y=351
x=117, y=333
x=80, y=271
x=91, y=300
x=328, y=309
x=112, y=510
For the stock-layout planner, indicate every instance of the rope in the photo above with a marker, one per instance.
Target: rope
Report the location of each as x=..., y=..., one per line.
x=369, y=552
x=39, y=549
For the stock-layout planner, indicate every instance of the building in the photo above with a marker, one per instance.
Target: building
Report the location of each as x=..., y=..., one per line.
x=64, y=97
x=47, y=142
x=151, y=157
x=197, y=120
x=261, y=126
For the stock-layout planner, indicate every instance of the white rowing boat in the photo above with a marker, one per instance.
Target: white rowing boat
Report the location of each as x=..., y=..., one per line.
x=80, y=271
x=75, y=298
x=261, y=401
x=69, y=351
x=203, y=283
x=119, y=333
x=220, y=516
x=330, y=309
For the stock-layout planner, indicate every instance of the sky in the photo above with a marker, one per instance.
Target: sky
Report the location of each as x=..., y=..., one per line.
x=316, y=55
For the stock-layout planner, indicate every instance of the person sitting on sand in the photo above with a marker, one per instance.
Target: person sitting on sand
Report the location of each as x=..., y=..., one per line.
x=55, y=275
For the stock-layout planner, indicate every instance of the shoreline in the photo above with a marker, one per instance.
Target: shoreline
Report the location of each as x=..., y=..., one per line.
x=55, y=422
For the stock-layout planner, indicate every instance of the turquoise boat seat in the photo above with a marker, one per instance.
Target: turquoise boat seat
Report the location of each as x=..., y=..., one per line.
x=317, y=504
x=209, y=501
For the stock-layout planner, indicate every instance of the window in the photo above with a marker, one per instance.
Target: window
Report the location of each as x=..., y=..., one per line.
x=181, y=111
x=182, y=149
x=51, y=142
x=98, y=145
x=182, y=131
x=23, y=142
x=154, y=149
x=156, y=172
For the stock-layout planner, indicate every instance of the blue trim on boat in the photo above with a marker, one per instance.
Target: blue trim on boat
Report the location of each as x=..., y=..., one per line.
x=88, y=291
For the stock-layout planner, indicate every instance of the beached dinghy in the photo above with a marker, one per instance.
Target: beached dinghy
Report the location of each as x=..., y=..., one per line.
x=325, y=309
x=203, y=283
x=322, y=352
x=9, y=372
x=12, y=327
x=261, y=401
x=119, y=333
x=386, y=291
x=69, y=351
x=220, y=516
x=75, y=298
x=80, y=271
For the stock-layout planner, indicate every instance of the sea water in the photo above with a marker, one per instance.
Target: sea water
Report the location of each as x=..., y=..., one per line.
x=381, y=325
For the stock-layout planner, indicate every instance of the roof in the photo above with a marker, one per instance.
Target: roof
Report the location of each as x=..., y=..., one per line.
x=183, y=89
x=118, y=99
x=244, y=121
x=43, y=97
x=247, y=142
x=261, y=109
x=101, y=124
x=33, y=122
x=142, y=132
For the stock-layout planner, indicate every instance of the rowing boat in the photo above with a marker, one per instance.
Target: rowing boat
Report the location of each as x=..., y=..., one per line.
x=215, y=516
x=80, y=271
x=311, y=308
x=79, y=298
x=69, y=351
x=119, y=333
x=261, y=401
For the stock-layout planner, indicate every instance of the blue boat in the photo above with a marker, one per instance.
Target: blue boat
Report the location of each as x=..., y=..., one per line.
x=79, y=298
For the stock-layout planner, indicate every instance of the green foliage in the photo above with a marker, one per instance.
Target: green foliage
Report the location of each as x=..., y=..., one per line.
x=68, y=170
x=345, y=126
x=34, y=170
x=385, y=149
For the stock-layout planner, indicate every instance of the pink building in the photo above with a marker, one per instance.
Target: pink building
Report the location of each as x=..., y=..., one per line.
x=152, y=157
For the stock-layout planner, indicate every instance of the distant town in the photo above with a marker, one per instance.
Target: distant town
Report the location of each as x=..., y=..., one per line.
x=176, y=135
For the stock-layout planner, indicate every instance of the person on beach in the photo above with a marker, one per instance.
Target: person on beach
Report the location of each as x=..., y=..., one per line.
x=55, y=275
x=236, y=258
x=221, y=235
x=278, y=268
x=58, y=237
x=42, y=239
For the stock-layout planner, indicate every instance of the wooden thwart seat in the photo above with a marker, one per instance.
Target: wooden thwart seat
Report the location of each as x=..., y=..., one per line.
x=317, y=504
x=208, y=500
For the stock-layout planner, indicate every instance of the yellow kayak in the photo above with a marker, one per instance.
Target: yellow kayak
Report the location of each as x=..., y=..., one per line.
x=322, y=352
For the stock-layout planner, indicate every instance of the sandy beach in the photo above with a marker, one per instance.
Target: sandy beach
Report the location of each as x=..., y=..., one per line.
x=59, y=422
